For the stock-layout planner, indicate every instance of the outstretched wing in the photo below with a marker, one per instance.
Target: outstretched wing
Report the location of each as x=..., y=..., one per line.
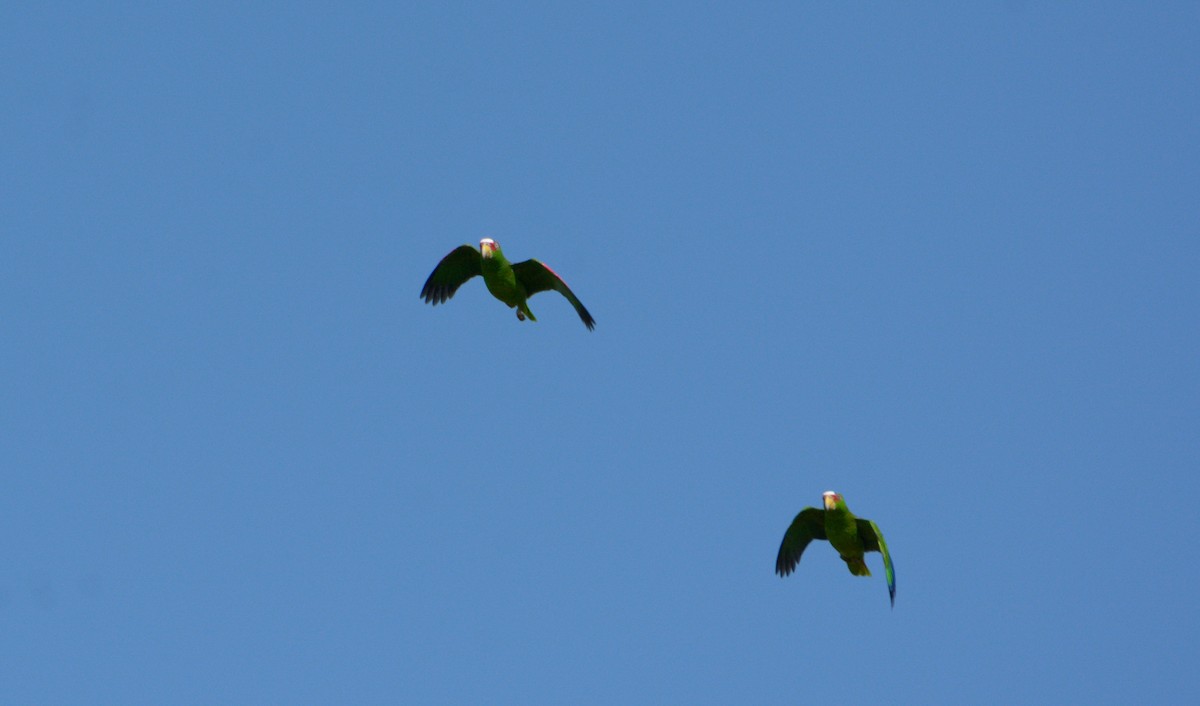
x=808, y=525
x=536, y=277
x=463, y=263
x=872, y=540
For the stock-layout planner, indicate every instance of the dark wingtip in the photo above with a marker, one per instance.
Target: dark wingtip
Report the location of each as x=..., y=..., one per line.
x=436, y=293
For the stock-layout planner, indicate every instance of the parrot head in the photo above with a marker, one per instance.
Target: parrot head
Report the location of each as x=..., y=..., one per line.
x=487, y=246
x=831, y=499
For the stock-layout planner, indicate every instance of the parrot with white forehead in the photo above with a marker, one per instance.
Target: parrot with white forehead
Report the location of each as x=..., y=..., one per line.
x=512, y=284
x=851, y=536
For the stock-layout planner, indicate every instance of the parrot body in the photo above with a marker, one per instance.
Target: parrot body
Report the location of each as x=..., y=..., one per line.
x=851, y=536
x=502, y=282
x=841, y=528
x=512, y=284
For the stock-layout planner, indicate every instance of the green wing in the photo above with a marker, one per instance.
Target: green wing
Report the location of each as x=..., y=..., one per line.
x=872, y=540
x=463, y=263
x=808, y=525
x=536, y=277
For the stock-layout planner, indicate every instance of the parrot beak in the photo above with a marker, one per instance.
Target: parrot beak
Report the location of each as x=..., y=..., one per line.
x=487, y=246
x=830, y=499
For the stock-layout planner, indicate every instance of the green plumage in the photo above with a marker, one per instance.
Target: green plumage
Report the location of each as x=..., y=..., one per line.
x=511, y=284
x=851, y=536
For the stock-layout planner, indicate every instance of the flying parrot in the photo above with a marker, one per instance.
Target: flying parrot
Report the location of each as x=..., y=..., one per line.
x=851, y=536
x=512, y=284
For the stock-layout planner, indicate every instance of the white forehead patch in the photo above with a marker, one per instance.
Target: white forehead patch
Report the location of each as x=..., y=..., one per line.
x=828, y=492
x=488, y=241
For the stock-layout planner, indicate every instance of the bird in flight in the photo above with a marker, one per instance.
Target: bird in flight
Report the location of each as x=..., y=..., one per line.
x=512, y=284
x=851, y=536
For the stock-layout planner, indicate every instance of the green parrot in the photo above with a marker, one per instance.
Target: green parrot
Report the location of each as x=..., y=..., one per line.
x=512, y=284
x=851, y=536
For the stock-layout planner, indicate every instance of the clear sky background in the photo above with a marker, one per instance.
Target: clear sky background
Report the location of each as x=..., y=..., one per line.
x=940, y=258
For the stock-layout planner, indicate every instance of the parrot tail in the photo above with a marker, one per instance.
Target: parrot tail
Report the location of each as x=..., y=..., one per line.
x=858, y=566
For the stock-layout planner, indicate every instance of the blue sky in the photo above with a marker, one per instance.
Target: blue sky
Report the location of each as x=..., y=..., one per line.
x=940, y=258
